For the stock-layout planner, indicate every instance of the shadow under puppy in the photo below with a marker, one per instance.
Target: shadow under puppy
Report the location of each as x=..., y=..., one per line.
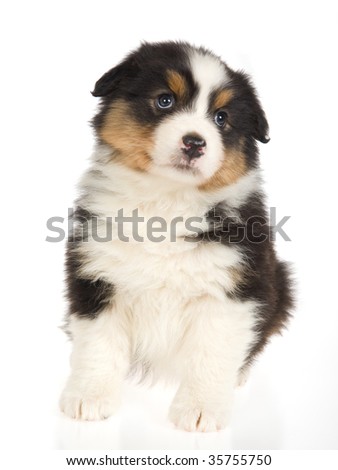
x=171, y=269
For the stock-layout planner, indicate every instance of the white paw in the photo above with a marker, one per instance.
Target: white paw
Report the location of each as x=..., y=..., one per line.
x=88, y=406
x=197, y=418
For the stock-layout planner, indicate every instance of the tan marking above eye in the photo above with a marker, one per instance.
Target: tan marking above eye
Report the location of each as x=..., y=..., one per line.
x=222, y=98
x=177, y=83
x=132, y=140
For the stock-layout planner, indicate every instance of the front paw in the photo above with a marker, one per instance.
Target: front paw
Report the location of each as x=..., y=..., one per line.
x=87, y=405
x=196, y=417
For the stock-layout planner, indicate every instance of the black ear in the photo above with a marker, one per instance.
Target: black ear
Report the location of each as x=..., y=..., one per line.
x=250, y=111
x=260, y=124
x=114, y=78
x=107, y=82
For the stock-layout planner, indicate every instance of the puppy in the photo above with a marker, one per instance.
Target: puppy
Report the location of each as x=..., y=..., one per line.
x=171, y=268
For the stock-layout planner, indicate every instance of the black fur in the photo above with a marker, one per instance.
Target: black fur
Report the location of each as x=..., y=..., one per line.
x=247, y=115
x=246, y=118
x=87, y=297
x=264, y=278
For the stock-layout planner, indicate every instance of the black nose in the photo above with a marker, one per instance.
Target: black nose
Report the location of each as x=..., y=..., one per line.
x=194, y=141
x=193, y=146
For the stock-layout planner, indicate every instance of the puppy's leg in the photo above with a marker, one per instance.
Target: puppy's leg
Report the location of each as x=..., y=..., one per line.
x=215, y=348
x=99, y=363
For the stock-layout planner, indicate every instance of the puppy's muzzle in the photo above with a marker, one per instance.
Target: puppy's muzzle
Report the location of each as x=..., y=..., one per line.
x=193, y=146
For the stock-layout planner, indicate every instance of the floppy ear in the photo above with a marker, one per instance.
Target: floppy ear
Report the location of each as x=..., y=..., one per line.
x=259, y=127
x=107, y=82
x=260, y=124
x=113, y=79
x=250, y=110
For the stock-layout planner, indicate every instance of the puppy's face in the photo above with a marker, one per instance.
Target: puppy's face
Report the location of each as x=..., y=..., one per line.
x=180, y=112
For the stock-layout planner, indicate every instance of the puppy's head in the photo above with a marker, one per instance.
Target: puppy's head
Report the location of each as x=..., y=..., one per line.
x=179, y=111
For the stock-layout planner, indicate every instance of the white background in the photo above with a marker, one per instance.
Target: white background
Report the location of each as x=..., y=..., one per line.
x=51, y=55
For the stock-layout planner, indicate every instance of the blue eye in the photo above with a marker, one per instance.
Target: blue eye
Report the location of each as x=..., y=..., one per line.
x=165, y=101
x=221, y=118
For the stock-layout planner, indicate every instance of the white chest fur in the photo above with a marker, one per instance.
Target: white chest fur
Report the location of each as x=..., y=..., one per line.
x=161, y=287
x=170, y=312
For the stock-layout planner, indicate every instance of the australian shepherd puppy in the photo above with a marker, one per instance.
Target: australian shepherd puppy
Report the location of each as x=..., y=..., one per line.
x=171, y=269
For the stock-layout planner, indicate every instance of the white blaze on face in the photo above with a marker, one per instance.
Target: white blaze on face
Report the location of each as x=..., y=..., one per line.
x=209, y=74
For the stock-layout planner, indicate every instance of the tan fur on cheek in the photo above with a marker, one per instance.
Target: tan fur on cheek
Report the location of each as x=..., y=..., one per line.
x=177, y=83
x=233, y=167
x=132, y=140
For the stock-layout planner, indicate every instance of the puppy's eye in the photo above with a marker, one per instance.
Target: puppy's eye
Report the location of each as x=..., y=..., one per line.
x=221, y=118
x=165, y=101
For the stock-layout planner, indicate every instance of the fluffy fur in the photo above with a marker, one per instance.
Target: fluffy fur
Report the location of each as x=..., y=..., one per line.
x=176, y=139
